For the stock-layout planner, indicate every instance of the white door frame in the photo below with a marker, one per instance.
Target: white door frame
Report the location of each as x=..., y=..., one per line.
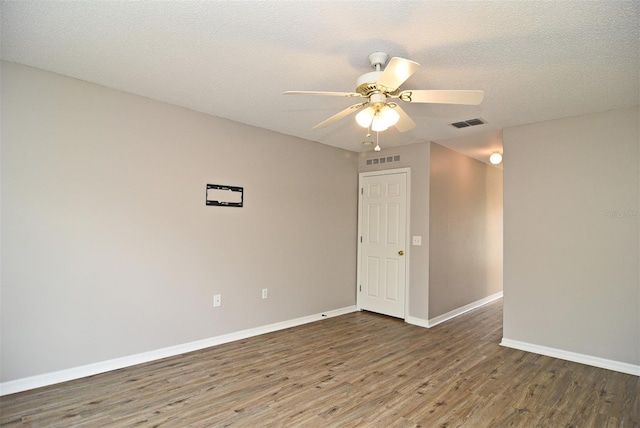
x=361, y=176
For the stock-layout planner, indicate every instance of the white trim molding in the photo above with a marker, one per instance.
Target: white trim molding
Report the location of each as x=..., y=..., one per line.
x=52, y=378
x=573, y=357
x=466, y=308
x=420, y=322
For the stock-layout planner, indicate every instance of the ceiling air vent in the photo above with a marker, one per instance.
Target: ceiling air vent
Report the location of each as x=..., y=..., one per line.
x=470, y=122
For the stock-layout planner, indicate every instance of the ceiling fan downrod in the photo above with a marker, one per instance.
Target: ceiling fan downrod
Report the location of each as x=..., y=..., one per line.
x=378, y=60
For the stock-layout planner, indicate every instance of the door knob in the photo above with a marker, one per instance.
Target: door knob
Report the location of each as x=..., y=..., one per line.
x=401, y=253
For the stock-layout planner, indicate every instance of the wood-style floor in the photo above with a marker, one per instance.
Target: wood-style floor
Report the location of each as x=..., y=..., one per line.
x=356, y=370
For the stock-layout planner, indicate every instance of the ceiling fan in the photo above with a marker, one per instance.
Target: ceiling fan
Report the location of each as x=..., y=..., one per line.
x=380, y=88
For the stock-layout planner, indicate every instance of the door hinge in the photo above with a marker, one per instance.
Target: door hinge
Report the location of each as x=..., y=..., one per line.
x=360, y=287
x=361, y=239
x=362, y=190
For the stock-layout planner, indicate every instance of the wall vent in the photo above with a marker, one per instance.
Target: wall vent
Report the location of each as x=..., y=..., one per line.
x=470, y=122
x=383, y=160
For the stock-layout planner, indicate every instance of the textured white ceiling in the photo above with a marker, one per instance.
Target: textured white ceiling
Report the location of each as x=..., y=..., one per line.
x=535, y=60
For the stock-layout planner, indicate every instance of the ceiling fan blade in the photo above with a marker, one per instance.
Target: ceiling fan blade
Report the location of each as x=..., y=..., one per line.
x=323, y=94
x=442, y=97
x=344, y=113
x=405, y=123
x=397, y=71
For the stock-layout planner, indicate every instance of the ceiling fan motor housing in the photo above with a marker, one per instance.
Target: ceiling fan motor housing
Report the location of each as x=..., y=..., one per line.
x=366, y=84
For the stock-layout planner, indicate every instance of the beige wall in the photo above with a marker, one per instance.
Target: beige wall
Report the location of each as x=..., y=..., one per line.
x=465, y=223
x=571, y=202
x=108, y=249
x=416, y=157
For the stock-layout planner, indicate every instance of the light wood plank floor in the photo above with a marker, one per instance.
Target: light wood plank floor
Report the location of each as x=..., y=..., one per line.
x=356, y=370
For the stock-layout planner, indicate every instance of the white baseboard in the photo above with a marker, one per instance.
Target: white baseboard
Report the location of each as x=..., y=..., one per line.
x=47, y=379
x=466, y=308
x=421, y=322
x=573, y=357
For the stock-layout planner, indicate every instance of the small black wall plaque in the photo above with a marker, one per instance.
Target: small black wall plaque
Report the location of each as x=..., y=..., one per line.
x=224, y=196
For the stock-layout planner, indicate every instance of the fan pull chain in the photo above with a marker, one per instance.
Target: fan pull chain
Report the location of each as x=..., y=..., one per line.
x=377, y=148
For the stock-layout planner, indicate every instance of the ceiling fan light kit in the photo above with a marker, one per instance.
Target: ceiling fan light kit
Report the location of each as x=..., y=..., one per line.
x=379, y=117
x=383, y=119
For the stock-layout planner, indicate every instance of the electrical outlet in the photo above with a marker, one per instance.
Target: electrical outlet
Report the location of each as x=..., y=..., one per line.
x=217, y=300
x=264, y=293
x=417, y=240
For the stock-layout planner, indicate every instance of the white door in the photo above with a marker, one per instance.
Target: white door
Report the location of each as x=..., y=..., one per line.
x=383, y=235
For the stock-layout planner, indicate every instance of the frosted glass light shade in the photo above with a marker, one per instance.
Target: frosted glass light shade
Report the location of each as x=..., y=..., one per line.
x=378, y=120
x=495, y=158
x=389, y=116
x=365, y=117
x=378, y=124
